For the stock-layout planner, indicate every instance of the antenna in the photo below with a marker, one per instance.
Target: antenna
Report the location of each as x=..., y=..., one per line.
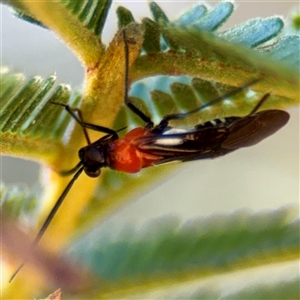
x=47, y=221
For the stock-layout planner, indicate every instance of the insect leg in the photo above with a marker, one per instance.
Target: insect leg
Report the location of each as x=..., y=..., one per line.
x=165, y=120
x=131, y=106
x=85, y=125
x=260, y=103
x=48, y=220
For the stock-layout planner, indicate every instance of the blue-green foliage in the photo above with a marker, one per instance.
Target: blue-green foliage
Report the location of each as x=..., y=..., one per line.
x=192, y=16
x=254, y=32
x=214, y=18
x=168, y=247
x=286, y=49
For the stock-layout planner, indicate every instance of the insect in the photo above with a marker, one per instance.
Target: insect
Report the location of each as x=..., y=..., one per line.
x=158, y=144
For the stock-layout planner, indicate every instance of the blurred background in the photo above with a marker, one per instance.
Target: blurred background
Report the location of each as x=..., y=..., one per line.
x=264, y=177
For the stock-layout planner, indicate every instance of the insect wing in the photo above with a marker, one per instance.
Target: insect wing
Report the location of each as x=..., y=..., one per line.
x=250, y=130
x=211, y=141
x=180, y=145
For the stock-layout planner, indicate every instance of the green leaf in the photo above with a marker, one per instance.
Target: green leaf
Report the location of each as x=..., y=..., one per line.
x=254, y=32
x=167, y=251
x=192, y=15
x=14, y=112
x=91, y=13
x=225, y=62
x=125, y=17
x=296, y=21
x=206, y=65
x=30, y=125
x=158, y=14
x=215, y=18
x=157, y=97
x=162, y=95
x=40, y=126
x=286, y=49
x=152, y=37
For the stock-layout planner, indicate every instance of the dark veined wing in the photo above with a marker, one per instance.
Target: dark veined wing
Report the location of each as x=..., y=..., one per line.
x=211, y=141
x=251, y=130
x=178, y=144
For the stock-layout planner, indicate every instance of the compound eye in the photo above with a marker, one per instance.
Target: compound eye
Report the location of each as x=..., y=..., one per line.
x=92, y=156
x=92, y=173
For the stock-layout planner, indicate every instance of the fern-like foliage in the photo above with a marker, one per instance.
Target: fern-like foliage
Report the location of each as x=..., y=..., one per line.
x=167, y=249
x=175, y=66
x=186, y=35
x=190, y=247
x=29, y=122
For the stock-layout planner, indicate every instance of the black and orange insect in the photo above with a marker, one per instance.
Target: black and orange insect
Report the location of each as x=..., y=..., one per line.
x=152, y=144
